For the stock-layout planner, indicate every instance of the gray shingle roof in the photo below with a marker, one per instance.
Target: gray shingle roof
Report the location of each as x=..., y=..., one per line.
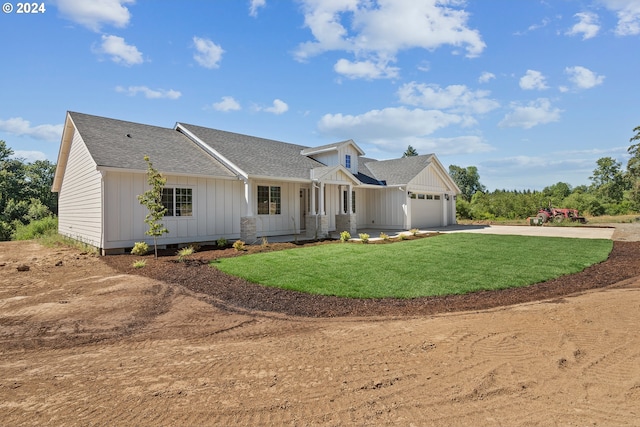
x=170, y=151
x=257, y=156
x=396, y=171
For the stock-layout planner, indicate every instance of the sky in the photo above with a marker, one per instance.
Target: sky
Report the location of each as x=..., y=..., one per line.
x=531, y=92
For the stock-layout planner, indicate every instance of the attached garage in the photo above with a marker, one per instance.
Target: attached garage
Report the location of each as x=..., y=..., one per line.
x=426, y=210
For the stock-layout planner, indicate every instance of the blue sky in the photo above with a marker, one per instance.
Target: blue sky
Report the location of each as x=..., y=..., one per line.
x=531, y=92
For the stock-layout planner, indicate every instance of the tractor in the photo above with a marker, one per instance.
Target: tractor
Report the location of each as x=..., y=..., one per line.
x=559, y=215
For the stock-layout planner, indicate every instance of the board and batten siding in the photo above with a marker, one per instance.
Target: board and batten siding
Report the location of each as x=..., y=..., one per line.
x=288, y=221
x=80, y=196
x=217, y=207
x=381, y=208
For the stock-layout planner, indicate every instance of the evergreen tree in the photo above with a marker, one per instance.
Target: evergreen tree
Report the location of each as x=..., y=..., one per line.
x=410, y=152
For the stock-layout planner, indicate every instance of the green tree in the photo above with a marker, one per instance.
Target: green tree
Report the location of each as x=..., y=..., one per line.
x=633, y=169
x=608, y=181
x=152, y=199
x=410, y=152
x=467, y=179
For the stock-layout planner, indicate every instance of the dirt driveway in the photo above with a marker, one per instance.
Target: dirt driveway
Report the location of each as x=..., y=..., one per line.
x=81, y=344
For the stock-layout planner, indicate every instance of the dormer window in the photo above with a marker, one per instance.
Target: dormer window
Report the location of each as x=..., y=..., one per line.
x=347, y=161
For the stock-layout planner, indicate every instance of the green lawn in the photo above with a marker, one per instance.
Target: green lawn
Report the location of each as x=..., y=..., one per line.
x=445, y=264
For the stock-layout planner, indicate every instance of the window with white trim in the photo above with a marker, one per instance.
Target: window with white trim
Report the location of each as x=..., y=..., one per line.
x=269, y=200
x=178, y=201
x=347, y=161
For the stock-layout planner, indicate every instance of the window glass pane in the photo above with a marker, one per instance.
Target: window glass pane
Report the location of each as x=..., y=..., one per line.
x=353, y=202
x=167, y=201
x=436, y=197
x=347, y=161
x=274, y=205
x=421, y=196
x=184, y=202
x=263, y=200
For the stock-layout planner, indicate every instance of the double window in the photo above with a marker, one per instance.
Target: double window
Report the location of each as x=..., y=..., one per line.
x=178, y=201
x=269, y=200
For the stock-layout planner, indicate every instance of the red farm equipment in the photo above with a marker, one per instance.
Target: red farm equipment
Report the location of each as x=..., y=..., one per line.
x=558, y=215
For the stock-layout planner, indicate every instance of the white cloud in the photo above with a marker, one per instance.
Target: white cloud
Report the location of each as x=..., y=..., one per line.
x=228, y=103
x=387, y=123
x=374, y=32
x=120, y=51
x=96, y=13
x=21, y=127
x=365, y=69
x=486, y=77
x=533, y=80
x=456, y=98
x=254, y=5
x=587, y=25
x=583, y=78
x=149, y=93
x=628, y=12
x=278, y=107
x=29, y=156
x=208, y=53
x=392, y=129
x=534, y=113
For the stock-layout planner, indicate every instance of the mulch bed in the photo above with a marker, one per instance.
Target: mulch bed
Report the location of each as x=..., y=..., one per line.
x=232, y=293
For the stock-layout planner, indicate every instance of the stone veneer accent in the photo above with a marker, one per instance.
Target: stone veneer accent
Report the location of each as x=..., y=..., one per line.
x=248, y=232
x=346, y=222
x=322, y=224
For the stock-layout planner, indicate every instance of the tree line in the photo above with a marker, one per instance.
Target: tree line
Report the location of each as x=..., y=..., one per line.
x=25, y=192
x=612, y=191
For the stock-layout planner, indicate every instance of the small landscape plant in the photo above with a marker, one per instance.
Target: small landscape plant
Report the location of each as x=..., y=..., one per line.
x=265, y=241
x=140, y=248
x=222, y=242
x=185, y=253
x=384, y=236
x=364, y=237
x=239, y=245
x=344, y=236
x=140, y=263
x=414, y=231
x=401, y=236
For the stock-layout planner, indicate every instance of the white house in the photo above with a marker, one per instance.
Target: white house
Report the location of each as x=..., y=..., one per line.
x=223, y=184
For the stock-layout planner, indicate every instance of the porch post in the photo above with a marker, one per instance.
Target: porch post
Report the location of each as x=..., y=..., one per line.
x=349, y=199
x=312, y=208
x=321, y=200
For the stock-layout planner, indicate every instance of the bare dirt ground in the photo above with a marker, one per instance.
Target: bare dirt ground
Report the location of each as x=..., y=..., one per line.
x=82, y=343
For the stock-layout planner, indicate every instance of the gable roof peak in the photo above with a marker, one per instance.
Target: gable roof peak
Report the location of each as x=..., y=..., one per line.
x=309, y=151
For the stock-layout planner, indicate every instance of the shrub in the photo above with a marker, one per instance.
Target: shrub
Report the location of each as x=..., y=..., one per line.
x=344, y=236
x=364, y=237
x=36, y=228
x=401, y=236
x=185, y=252
x=265, y=241
x=414, y=231
x=140, y=263
x=238, y=245
x=384, y=236
x=140, y=248
x=222, y=242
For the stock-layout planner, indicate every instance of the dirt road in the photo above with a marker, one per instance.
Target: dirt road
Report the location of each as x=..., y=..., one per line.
x=81, y=344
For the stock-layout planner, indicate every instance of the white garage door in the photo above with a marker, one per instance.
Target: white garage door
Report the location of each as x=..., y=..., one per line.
x=426, y=210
